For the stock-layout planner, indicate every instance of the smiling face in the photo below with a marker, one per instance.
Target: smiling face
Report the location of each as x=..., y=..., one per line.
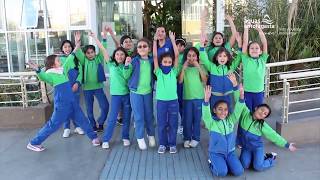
x=222, y=58
x=221, y=110
x=66, y=48
x=254, y=50
x=191, y=57
x=161, y=32
x=261, y=113
x=120, y=56
x=143, y=48
x=166, y=61
x=127, y=44
x=217, y=40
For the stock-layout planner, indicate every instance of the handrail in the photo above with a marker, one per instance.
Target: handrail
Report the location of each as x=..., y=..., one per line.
x=290, y=62
x=299, y=75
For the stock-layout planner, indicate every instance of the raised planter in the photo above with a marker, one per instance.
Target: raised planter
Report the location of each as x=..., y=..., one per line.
x=30, y=117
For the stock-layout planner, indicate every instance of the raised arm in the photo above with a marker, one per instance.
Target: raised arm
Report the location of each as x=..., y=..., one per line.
x=263, y=40
x=203, y=75
x=237, y=60
x=233, y=30
x=238, y=98
x=127, y=70
x=245, y=38
x=204, y=59
x=110, y=31
x=78, y=52
x=155, y=52
x=101, y=47
x=206, y=112
x=41, y=74
x=172, y=37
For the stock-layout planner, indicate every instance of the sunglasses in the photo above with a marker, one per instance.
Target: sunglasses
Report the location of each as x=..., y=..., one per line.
x=143, y=46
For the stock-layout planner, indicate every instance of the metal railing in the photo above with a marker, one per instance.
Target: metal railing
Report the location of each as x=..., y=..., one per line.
x=273, y=78
x=22, y=85
x=287, y=90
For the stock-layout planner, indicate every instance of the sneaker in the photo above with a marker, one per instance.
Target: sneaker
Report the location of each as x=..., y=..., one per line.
x=119, y=122
x=271, y=155
x=79, y=131
x=126, y=142
x=36, y=148
x=186, y=144
x=152, y=141
x=105, y=145
x=96, y=142
x=94, y=128
x=180, y=130
x=142, y=144
x=194, y=143
x=100, y=128
x=66, y=133
x=161, y=149
x=173, y=150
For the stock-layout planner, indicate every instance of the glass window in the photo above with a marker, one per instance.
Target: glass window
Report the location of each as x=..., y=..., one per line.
x=13, y=13
x=55, y=40
x=3, y=54
x=30, y=13
x=57, y=14
x=1, y=16
x=16, y=51
x=36, y=46
x=84, y=37
x=78, y=12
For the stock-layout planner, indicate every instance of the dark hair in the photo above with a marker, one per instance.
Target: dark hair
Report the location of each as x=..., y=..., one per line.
x=161, y=26
x=266, y=106
x=167, y=54
x=218, y=103
x=135, y=51
x=214, y=34
x=124, y=37
x=113, y=58
x=253, y=42
x=221, y=50
x=87, y=47
x=50, y=61
x=181, y=41
x=184, y=58
x=75, y=60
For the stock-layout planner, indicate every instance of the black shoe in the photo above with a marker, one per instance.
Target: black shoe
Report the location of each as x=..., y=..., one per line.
x=95, y=128
x=119, y=122
x=271, y=155
x=100, y=128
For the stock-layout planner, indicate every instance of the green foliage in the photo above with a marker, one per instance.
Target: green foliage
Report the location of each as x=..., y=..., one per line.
x=166, y=13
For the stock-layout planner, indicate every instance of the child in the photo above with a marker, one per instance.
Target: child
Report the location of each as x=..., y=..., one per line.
x=140, y=74
x=219, y=68
x=93, y=81
x=222, y=155
x=119, y=92
x=166, y=95
x=251, y=128
x=75, y=77
x=181, y=45
x=193, y=78
x=64, y=102
x=164, y=44
x=218, y=41
x=254, y=66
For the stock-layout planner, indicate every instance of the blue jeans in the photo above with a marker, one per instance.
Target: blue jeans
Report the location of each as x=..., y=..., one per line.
x=180, y=100
x=67, y=123
x=103, y=103
x=220, y=164
x=257, y=157
x=60, y=115
x=142, y=108
x=167, y=117
x=118, y=101
x=192, y=112
x=253, y=99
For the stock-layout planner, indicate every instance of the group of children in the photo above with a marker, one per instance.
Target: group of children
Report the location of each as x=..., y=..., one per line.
x=179, y=76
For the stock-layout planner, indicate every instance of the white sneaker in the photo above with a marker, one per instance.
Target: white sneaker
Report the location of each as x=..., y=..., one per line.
x=194, y=143
x=66, y=133
x=152, y=141
x=126, y=142
x=142, y=144
x=186, y=144
x=96, y=142
x=78, y=130
x=105, y=145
